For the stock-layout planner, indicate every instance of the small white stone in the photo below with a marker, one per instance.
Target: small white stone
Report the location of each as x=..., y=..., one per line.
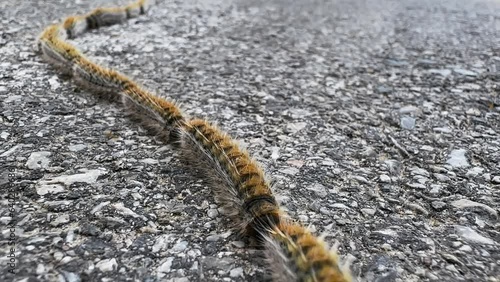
x=180, y=246
x=214, y=237
x=70, y=236
x=442, y=72
x=289, y=170
x=340, y=206
x=60, y=220
x=407, y=123
x=212, y=213
x=58, y=256
x=148, y=48
x=295, y=127
x=360, y=179
x=474, y=172
x=457, y=158
x=275, y=153
x=303, y=218
x=387, y=232
x=442, y=129
x=328, y=162
x=106, y=265
x=99, y=207
x=236, y=272
x=89, y=176
x=40, y=269
x=4, y=135
x=466, y=248
x=408, y=109
x=472, y=236
x=465, y=203
x=419, y=171
x=386, y=247
x=44, y=189
x=120, y=207
x=369, y=212
x=385, y=178
x=238, y=244
x=166, y=266
x=38, y=160
x=161, y=243
x=149, y=161
x=77, y=147
x=464, y=72
x=318, y=189
x=496, y=179
x=54, y=83
x=72, y=277
x=11, y=150
x=451, y=268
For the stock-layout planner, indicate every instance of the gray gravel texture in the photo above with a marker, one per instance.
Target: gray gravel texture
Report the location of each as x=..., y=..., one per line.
x=379, y=122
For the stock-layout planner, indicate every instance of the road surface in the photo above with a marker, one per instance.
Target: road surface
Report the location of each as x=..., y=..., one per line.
x=379, y=122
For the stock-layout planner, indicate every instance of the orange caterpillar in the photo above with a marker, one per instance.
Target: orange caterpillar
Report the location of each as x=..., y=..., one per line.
x=294, y=254
x=239, y=184
x=56, y=51
x=76, y=25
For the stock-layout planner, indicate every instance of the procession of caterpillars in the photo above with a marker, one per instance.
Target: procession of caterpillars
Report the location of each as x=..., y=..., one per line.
x=238, y=182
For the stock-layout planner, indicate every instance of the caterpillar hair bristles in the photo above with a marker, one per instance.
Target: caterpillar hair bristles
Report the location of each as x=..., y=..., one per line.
x=158, y=116
x=296, y=255
x=105, y=16
x=237, y=180
x=96, y=78
x=58, y=52
x=239, y=183
x=75, y=25
x=138, y=8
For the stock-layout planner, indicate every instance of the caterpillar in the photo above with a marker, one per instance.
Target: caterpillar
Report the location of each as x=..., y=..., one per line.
x=295, y=254
x=76, y=25
x=56, y=51
x=238, y=182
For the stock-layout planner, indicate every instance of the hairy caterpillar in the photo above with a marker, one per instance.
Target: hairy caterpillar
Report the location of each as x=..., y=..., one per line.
x=76, y=25
x=237, y=180
x=56, y=51
x=296, y=255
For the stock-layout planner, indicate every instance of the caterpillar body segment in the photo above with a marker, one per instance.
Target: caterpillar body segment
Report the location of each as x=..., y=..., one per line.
x=105, y=16
x=156, y=114
x=151, y=120
x=295, y=254
x=53, y=54
x=75, y=25
x=96, y=78
x=138, y=8
x=109, y=16
x=52, y=32
x=133, y=10
x=238, y=182
x=57, y=51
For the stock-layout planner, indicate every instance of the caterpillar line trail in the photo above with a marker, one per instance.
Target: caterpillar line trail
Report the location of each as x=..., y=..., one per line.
x=238, y=182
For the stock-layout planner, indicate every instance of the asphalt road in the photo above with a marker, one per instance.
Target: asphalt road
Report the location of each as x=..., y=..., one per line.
x=379, y=122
